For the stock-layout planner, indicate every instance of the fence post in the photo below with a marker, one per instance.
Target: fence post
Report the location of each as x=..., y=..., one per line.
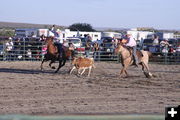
x=99, y=55
x=165, y=58
x=4, y=51
x=41, y=51
x=24, y=49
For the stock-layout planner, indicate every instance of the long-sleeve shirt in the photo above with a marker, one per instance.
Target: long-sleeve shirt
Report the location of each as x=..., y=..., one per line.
x=131, y=42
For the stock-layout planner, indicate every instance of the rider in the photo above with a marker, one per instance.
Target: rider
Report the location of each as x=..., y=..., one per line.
x=132, y=44
x=59, y=46
x=57, y=42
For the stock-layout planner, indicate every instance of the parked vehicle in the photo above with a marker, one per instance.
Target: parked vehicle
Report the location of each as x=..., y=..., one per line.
x=173, y=42
x=107, y=47
x=74, y=40
x=1, y=51
x=147, y=44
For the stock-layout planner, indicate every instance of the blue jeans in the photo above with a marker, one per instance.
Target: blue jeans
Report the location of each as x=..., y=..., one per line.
x=87, y=53
x=134, y=54
x=60, y=48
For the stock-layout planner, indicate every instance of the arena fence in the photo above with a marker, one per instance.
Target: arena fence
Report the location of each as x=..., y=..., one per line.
x=34, y=50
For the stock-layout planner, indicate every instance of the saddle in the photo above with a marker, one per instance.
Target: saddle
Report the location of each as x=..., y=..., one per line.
x=60, y=49
x=139, y=54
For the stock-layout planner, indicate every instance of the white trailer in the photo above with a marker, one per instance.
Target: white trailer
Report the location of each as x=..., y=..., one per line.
x=111, y=34
x=67, y=33
x=25, y=32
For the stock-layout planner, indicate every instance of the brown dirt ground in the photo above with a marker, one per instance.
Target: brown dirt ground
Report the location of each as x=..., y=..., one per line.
x=24, y=89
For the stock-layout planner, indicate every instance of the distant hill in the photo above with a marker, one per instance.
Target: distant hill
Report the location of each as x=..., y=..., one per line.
x=110, y=29
x=13, y=25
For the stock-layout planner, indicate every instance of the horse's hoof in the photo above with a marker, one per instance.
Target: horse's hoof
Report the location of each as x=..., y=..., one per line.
x=122, y=76
x=154, y=75
x=126, y=76
x=148, y=76
x=53, y=67
x=78, y=75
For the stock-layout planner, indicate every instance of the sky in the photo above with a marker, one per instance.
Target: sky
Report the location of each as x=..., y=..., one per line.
x=159, y=14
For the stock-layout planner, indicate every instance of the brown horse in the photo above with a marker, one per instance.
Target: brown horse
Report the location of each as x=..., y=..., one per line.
x=53, y=55
x=127, y=59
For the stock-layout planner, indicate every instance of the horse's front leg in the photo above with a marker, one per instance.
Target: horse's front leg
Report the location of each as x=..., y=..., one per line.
x=64, y=62
x=42, y=64
x=126, y=73
x=60, y=65
x=123, y=71
x=52, y=61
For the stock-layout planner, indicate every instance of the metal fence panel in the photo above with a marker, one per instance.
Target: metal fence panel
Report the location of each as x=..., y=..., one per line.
x=33, y=51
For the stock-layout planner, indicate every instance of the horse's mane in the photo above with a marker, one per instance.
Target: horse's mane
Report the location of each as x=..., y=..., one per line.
x=121, y=44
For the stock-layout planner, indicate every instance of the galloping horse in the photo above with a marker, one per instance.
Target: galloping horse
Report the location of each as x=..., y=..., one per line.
x=53, y=54
x=127, y=59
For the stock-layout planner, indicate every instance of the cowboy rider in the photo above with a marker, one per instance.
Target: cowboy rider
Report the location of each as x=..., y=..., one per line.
x=132, y=44
x=57, y=42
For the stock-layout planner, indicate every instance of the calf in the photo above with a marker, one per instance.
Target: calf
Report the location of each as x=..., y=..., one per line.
x=82, y=63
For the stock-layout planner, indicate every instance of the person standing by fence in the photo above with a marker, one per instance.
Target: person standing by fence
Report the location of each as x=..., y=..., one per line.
x=17, y=48
x=72, y=48
x=88, y=45
x=96, y=50
x=164, y=47
x=9, y=46
x=155, y=44
x=178, y=52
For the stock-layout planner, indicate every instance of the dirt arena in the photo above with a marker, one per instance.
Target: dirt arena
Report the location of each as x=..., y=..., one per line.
x=24, y=89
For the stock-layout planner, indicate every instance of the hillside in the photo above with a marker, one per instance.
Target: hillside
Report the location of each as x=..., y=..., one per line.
x=13, y=25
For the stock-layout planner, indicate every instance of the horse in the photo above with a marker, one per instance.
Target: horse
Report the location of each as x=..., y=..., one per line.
x=53, y=54
x=127, y=59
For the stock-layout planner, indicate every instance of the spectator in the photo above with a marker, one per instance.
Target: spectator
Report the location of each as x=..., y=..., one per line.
x=96, y=49
x=42, y=37
x=87, y=48
x=155, y=44
x=53, y=28
x=164, y=46
x=29, y=53
x=172, y=51
x=44, y=50
x=9, y=45
x=88, y=38
x=8, y=48
x=33, y=34
x=164, y=43
x=178, y=50
x=17, y=47
x=72, y=48
x=156, y=41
